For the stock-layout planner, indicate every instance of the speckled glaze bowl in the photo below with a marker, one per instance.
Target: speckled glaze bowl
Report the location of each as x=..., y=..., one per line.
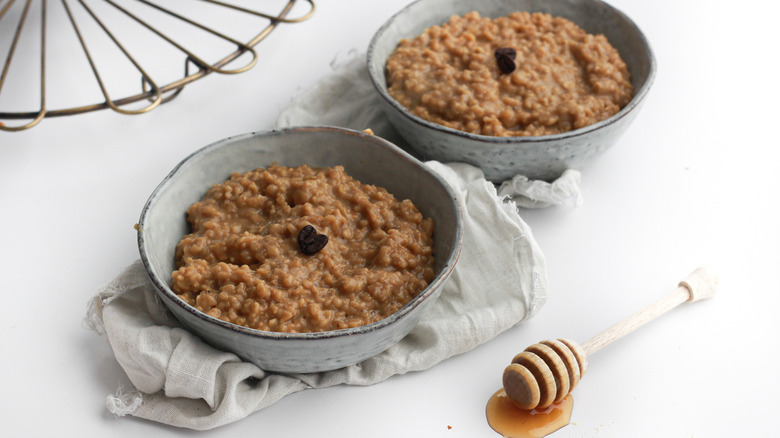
x=367, y=158
x=501, y=158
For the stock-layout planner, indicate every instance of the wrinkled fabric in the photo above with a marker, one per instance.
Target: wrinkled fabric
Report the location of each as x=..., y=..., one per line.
x=178, y=379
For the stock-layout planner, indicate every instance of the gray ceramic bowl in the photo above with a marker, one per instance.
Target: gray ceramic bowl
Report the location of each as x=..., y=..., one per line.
x=501, y=158
x=367, y=158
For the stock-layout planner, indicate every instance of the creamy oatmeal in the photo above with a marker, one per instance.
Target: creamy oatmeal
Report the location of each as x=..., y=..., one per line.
x=525, y=74
x=256, y=255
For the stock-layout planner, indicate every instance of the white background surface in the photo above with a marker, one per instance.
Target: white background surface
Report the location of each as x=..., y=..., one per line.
x=694, y=181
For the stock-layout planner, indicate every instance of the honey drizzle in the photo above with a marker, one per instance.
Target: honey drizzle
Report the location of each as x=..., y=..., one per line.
x=512, y=422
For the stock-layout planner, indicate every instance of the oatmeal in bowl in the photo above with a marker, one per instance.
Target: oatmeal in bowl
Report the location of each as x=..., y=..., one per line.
x=514, y=87
x=307, y=249
x=523, y=74
x=302, y=249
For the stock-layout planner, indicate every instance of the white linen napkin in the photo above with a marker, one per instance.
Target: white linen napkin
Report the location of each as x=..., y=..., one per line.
x=500, y=280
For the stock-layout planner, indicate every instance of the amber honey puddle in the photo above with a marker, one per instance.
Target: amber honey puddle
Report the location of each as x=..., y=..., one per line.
x=512, y=422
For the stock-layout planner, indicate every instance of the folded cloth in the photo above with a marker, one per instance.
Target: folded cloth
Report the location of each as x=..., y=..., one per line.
x=178, y=379
x=499, y=280
x=347, y=98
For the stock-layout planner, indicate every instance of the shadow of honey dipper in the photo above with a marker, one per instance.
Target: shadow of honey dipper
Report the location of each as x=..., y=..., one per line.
x=547, y=372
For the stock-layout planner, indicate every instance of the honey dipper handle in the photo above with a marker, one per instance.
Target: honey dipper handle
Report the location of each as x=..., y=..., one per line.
x=700, y=284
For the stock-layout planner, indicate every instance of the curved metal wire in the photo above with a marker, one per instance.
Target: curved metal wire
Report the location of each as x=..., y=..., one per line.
x=158, y=94
x=150, y=92
x=35, y=117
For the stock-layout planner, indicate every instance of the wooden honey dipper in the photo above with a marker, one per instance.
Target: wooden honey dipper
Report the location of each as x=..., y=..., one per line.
x=547, y=372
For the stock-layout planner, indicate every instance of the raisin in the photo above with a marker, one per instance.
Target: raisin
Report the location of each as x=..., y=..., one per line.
x=310, y=241
x=505, y=56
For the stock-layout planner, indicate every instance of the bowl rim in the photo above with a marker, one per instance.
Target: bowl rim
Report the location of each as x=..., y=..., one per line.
x=490, y=141
x=163, y=290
